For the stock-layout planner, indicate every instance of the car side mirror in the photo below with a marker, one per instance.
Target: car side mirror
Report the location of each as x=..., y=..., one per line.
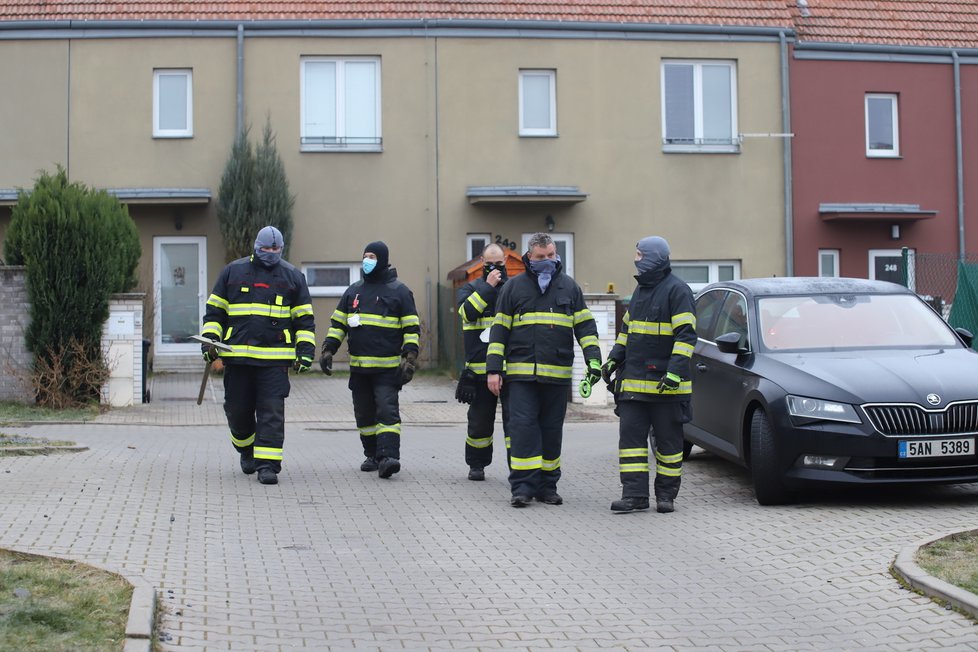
x=966, y=336
x=730, y=343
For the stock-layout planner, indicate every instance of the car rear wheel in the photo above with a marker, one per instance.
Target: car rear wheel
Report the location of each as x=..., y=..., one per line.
x=766, y=473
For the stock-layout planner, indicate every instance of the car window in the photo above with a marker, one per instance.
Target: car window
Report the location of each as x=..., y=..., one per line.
x=847, y=321
x=733, y=318
x=707, y=305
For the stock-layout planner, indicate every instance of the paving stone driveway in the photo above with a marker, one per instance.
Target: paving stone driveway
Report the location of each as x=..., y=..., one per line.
x=333, y=558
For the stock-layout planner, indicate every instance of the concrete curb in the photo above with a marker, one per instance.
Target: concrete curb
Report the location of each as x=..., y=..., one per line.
x=918, y=578
x=142, y=614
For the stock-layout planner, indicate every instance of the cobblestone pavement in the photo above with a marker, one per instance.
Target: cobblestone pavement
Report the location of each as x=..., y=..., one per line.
x=332, y=558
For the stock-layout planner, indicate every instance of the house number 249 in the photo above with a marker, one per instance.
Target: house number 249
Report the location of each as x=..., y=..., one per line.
x=505, y=242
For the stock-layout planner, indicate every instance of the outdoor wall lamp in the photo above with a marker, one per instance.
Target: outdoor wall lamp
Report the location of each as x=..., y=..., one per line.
x=895, y=231
x=550, y=222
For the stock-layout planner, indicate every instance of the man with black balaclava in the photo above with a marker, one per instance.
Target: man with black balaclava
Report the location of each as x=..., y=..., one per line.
x=539, y=314
x=652, y=358
x=260, y=306
x=378, y=316
x=476, y=308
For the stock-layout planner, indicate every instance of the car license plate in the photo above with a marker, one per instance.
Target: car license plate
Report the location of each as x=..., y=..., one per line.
x=936, y=447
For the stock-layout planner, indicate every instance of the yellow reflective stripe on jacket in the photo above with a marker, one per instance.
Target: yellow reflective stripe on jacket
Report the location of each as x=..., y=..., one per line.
x=288, y=336
x=649, y=328
x=649, y=387
x=305, y=336
x=479, y=442
x=260, y=352
x=496, y=348
x=544, y=319
x=479, y=324
x=410, y=320
x=410, y=338
x=550, y=465
x=374, y=362
x=257, y=310
x=301, y=311
x=526, y=463
x=633, y=452
x=241, y=443
x=367, y=319
x=265, y=453
x=682, y=348
x=218, y=302
x=336, y=332
x=637, y=467
x=503, y=320
x=669, y=471
x=669, y=459
x=684, y=319
x=477, y=302
x=214, y=328
x=622, y=339
x=339, y=316
x=589, y=340
x=554, y=371
x=519, y=368
x=477, y=367
x=582, y=316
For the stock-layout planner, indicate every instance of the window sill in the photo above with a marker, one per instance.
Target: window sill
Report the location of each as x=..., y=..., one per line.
x=341, y=149
x=326, y=291
x=528, y=135
x=700, y=149
x=884, y=156
x=172, y=136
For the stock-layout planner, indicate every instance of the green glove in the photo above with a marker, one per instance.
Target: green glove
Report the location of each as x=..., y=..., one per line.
x=668, y=383
x=303, y=364
x=591, y=376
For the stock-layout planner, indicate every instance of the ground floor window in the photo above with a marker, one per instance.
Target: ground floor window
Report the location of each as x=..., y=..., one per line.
x=828, y=263
x=700, y=273
x=330, y=279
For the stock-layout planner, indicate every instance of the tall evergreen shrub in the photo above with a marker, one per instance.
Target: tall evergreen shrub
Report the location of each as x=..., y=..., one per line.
x=79, y=246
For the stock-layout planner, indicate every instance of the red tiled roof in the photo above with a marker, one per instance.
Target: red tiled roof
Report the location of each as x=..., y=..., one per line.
x=951, y=23
x=750, y=13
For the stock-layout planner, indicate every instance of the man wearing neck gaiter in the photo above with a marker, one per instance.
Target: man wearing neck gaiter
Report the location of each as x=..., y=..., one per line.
x=653, y=387
x=539, y=314
x=378, y=315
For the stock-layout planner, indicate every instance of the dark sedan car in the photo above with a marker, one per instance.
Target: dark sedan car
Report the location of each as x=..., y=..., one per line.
x=841, y=381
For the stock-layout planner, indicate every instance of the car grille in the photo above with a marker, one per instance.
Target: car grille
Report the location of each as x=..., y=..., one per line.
x=955, y=419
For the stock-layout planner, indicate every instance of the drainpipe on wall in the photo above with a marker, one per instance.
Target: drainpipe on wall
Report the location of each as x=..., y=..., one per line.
x=959, y=153
x=789, y=257
x=239, y=96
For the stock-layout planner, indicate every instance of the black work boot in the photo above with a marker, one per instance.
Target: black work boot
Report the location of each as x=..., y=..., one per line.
x=551, y=499
x=388, y=466
x=520, y=501
x=664, y=505
x=369, y=465
x=247, y=463
x=630, y=504
x=477, y=473
x=267, y=476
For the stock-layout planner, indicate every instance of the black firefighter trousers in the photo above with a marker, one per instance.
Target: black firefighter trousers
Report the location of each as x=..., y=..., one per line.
x=666, y=420
x=254, y=403
x=377, y=413
x=535, y=426
x=482, y=424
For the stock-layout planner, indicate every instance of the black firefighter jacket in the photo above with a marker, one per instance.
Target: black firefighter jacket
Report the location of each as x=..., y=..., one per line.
x=265, y=315
x=476, y=308
x=658, y=334
x=379, y=317
x=533, y=332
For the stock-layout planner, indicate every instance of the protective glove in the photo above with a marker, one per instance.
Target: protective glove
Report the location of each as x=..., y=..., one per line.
x=607, y=369
x=210, y=351
x=326, y=362
x=465, y=392
x=668, y=383
x=591, y=375
x=303, y=364
x=407, y=367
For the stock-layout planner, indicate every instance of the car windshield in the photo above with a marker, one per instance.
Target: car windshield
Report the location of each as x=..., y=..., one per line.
x=850, y=321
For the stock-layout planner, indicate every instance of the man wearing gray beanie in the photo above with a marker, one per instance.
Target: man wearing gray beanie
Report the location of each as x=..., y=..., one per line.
x=651, y=357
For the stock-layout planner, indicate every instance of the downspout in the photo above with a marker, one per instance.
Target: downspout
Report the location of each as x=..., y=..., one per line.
x=789, y=257
x=959, y=153
x=239, y=96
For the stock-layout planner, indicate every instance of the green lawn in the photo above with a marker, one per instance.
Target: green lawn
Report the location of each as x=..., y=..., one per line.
x=953, y=559
x=19, y=412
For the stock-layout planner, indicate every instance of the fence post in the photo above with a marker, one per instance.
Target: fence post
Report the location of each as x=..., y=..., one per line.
x=905, y=253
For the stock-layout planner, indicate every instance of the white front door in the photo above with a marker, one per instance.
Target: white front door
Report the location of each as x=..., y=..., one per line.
x=887, y=265
x=179, y=292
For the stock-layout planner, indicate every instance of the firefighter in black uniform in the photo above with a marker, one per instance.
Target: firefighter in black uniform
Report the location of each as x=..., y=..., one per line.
x=538, y=316
x=476, y=308
x=650, y=361
x=378, y=315
x=260, y=306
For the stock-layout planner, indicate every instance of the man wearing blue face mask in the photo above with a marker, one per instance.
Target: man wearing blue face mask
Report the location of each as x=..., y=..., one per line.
x=539, y=314
x=378, y=315
x=260, y=306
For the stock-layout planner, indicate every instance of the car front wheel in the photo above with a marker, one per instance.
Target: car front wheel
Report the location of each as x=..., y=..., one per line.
x=766, y=473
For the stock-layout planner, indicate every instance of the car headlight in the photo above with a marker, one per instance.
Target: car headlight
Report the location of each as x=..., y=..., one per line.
x=815, y=409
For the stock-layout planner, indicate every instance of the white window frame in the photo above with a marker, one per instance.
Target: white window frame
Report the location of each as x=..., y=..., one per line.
x=873, y=254
x=895, y=112
x=340, y=143
x=698, y=145
x=331, y=290
x=713, y=270
x=567, y=263
x=472, y=238
x=539, y=132
x=159, y=132
x=834, y=272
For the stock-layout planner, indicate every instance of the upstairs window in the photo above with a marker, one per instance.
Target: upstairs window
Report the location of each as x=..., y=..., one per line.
x=538, y=103
x=882, y=133
x=173, y=102
x=340, y=104
x=699, y=106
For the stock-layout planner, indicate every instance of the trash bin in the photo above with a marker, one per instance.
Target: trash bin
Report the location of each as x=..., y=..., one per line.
x=146, y=345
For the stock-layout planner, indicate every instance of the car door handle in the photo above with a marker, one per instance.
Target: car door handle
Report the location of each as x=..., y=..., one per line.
x=701, y=367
